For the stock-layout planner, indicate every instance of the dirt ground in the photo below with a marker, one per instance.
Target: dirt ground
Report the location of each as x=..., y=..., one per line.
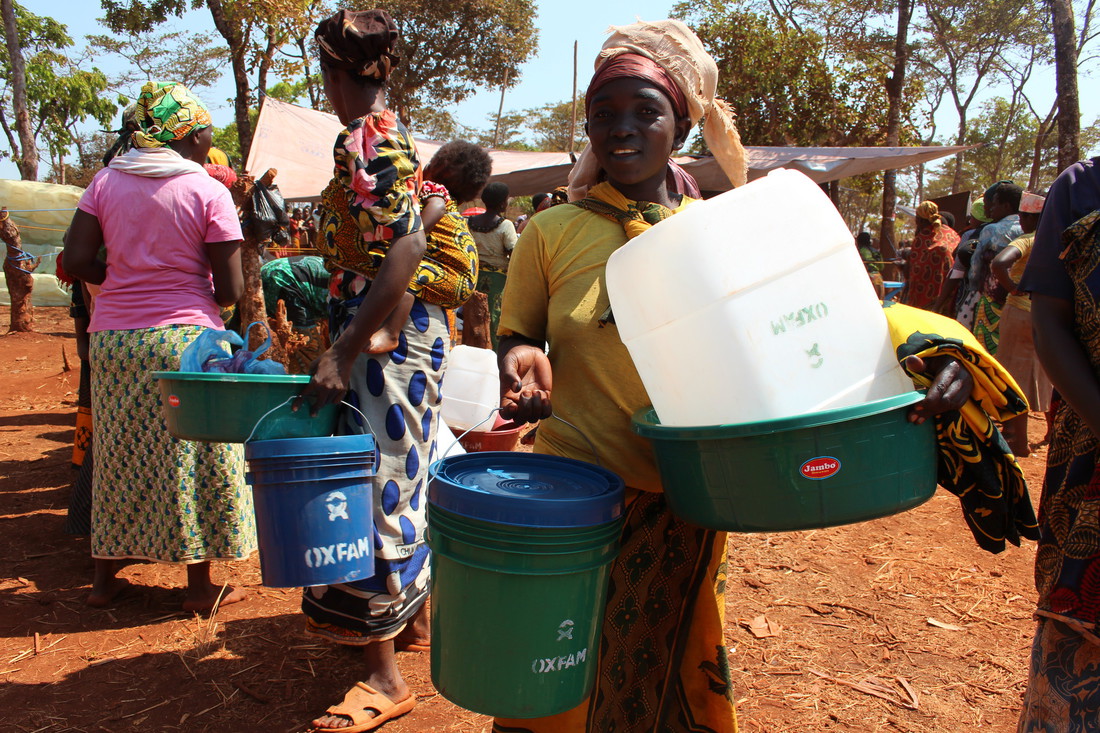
x=900, y=624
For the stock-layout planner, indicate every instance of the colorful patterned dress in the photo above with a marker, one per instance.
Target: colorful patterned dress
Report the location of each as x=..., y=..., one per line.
x=988, y=295
x=662, y=657
x=373, y=198
x=1066, y=652
x=930, y=260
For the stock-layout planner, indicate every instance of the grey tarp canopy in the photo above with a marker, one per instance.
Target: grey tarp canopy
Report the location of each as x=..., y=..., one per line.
x=297, y=141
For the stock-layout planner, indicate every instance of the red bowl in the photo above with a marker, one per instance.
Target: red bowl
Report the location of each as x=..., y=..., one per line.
x=503, y=437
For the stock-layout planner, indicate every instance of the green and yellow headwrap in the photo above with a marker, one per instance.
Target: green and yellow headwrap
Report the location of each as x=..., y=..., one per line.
x=167, y=112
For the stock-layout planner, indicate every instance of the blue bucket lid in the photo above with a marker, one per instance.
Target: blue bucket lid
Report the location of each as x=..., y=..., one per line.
x=526, y=489
x=332, y=445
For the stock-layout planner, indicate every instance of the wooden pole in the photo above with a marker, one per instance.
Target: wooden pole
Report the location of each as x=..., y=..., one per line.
x=475, y=321
x=500, y=109
x=573, y=121
x=251, y=305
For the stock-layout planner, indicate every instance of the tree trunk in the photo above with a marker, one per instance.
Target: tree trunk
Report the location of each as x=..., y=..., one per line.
x=475, y=321
x=265, y=65
x=1041, y=136
x=17, y=274
x=251, y=305
x=311, y=87
x=895, y=84
x=238, y=47
x=1065, y=67
x=28, y=155
x=960, y=139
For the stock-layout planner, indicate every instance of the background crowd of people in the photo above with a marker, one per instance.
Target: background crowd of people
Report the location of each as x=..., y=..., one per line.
x=386, y=259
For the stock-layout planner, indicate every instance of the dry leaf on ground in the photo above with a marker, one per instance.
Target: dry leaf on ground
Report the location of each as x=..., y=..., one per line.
x=762, y=627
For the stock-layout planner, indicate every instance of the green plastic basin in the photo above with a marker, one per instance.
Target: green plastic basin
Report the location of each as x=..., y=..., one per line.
x=815, y=470
x=223, y=408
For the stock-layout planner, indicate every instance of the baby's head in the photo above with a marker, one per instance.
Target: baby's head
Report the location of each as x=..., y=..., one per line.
x=464, y=168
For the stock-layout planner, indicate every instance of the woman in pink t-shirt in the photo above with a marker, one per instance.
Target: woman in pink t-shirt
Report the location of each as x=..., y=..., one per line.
x=172, y=242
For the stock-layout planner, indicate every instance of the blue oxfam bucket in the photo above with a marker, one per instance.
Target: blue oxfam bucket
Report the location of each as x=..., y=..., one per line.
x=522, y=546
x=313, y=508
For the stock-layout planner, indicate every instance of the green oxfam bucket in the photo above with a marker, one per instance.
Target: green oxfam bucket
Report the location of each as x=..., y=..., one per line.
x=522, y=546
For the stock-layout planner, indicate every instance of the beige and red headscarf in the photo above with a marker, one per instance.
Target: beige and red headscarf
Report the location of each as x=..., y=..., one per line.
x=679, y=53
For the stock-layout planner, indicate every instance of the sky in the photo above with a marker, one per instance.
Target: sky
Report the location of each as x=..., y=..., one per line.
x=545, y=79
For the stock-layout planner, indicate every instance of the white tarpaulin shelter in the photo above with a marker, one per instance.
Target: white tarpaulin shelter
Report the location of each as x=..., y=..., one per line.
x=297, y=142
x=42, y=211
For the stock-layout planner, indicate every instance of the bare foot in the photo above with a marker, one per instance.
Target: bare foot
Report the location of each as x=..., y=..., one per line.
x=104, y=592
x=382, y=341
x=204, y=601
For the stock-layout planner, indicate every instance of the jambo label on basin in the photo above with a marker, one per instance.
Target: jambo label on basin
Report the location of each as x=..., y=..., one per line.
x=820, y=467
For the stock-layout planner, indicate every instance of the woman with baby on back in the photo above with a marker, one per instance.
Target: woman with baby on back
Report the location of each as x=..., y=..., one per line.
x=391, y=283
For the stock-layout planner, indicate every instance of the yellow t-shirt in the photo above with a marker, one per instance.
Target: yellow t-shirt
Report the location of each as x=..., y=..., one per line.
x=556, y=291
x=1024, y=244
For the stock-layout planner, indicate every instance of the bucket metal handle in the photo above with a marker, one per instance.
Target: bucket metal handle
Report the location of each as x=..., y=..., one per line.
x=495, y=410
x=291, y=399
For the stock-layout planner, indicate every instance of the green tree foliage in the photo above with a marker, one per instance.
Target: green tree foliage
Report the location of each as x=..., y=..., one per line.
x=59, y=94
x=254, y=32
x=512, y=134
x=187, y=58
x=1011, y=157
x=228, y=141
x=90, y=149
x=550, y=126
x=787, y=85
x=291, y=93
x=971, y=44
x=449, y=50
x=440, y=125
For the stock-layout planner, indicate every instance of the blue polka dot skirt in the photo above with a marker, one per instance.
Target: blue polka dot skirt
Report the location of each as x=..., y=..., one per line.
x=399, y=394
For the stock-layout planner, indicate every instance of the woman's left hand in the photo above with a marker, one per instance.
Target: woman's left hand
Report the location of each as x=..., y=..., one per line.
x=950, y=388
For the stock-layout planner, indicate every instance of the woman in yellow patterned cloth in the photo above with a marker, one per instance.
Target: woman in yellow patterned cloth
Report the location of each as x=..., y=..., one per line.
x=662, y=660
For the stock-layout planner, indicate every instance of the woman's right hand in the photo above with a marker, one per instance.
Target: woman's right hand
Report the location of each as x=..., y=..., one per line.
x=331, y=378
x=525, y=384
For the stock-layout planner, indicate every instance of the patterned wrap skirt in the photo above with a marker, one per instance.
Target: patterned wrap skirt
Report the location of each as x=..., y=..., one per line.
x=987, y=318
x=156, y=497
x=491, y=282
x=1063, y=689
x=662, y=661
x=399, y=394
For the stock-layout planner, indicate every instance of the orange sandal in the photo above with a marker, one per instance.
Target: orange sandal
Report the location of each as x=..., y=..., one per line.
x=358, y=704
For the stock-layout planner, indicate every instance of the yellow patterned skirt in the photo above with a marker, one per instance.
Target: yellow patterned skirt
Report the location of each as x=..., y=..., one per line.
x=156, y=497
x=663, y=663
